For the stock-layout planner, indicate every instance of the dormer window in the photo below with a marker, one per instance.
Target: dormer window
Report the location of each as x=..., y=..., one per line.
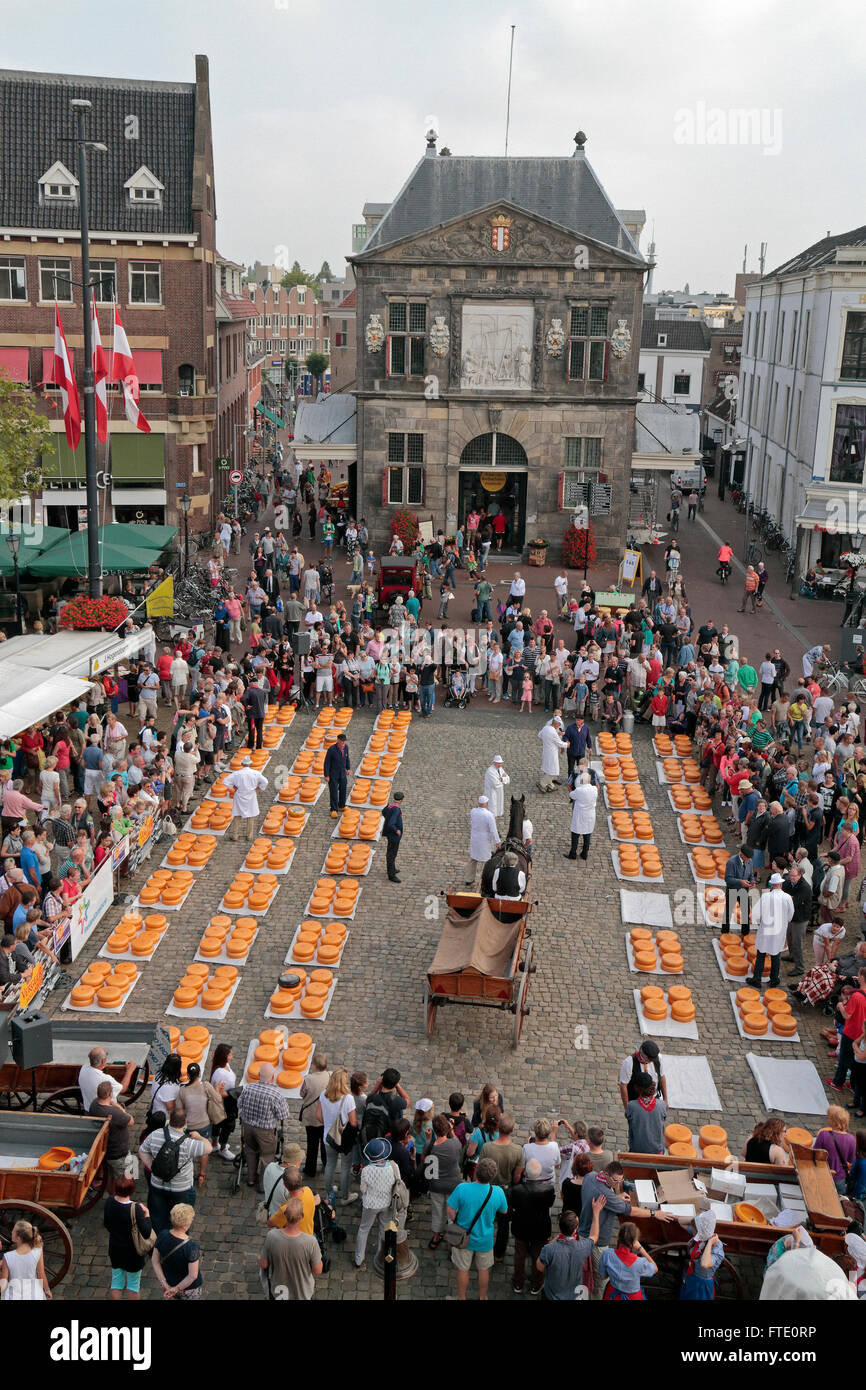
x=662, y=339
x=58, y=185
x=144, y=188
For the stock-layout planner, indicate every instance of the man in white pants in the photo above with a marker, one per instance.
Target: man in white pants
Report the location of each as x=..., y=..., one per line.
x=483, y=839
x=496, y=779
x=245, y=803
x=552, y=744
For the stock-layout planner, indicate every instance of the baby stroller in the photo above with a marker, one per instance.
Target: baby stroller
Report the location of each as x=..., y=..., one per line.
x=458, y=689
x=326, y=579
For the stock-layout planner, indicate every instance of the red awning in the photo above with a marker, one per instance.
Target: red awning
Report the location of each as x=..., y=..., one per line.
x=148, y=364
x=15, y=362
x=48, y=364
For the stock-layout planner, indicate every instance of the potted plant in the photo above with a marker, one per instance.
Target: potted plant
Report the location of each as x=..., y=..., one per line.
x=538, y=551
x=404, y=523
x=578, y=547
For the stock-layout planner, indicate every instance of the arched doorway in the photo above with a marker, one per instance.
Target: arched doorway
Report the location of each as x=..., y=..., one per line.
x=493, y=471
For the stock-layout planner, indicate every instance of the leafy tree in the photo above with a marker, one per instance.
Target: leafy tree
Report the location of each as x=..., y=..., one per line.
x=23, y=434
x=296, y=276
x=316, y=364
x=325, y=273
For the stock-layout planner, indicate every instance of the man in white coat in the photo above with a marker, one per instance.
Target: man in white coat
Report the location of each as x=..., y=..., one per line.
x=496, y=779
x=777, y=909
x=245, y=804
x=483, y=839
x=585, y=798
x=552, y=745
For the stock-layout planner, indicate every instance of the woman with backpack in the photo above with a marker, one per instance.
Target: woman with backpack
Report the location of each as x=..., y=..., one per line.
x=335, y=1112
x=130, y=1238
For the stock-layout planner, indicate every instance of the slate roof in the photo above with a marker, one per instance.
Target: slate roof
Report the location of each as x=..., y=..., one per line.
x=684, y=335
x=565, y=191
x=820, y=253
x=37, y=128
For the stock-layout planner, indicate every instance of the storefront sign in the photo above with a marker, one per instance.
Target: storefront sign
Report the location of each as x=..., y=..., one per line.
x=31, y=987
x=123, y=647
x=96, y=898
x=493, y=482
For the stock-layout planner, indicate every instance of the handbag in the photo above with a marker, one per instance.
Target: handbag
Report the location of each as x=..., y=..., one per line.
x=216, y=1111
x=142, y=1245
x=264, y=1207
x=457, y=1236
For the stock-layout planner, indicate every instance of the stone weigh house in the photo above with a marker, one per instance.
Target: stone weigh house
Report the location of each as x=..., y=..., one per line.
x=498, y=311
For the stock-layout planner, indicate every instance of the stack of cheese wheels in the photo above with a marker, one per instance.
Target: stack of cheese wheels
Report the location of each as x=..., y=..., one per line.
x=672, y=769
x=349, y=824
x=642, y=825
x=704, y=863
x=194, y=850
x=670, y=951
x=359, y=858
x=346, y=896
x=664, y=745
x=261, y=892
x=289, y=791
x=273, y=854
x=294, y=1060
x=650, y=861
x=681, y=1006
x=325, y=716
x=303, y=762
x=682, y=799
x=616, y=795
x=368, y=827
x=265, y=1047
x=677, y=1138
x=191, y=1048
x=691, y=828
x=629, y=860
x=285, y=715
x=653, y=1003
x=198, y=988
x=315, y=740
x=378, y=742
x=682, y=745
x=606, y=743
x=320, y=942
x=731, y=946
x=337, y=857
x=201, y=817
x=106, y=986
x=643, y=948
x=402, y=719
x=610, y=766
x=714, y=1143
x=273, y=821
x=396, y=742
x=711, y=830
x=623, y=743
x=634, y=796
x=343, y=717
x=628, y=768
x=239, y=940
x=753, y=1015
x=322, y=897
x=385, y=719
x=219, y=791
x=283, y=1000
x=315, y=994
x=623, y=826
x=691, y=770
x=310, y=785
x=779, y=1012
x=360, y=793
x=271, y=738
x=380, y=792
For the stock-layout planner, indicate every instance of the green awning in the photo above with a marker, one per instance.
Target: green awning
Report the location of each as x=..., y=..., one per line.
x=35, y=542
x=59, y=463
x=274, y=419
x=140, y=537
x=69, y=558
x=137, y=458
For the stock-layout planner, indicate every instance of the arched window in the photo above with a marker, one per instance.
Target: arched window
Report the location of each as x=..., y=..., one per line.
x=493, y=451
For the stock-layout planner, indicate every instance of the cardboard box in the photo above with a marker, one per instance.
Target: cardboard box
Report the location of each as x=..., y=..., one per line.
x=677, y=1187
x=725, y=1183
x=687, y=1210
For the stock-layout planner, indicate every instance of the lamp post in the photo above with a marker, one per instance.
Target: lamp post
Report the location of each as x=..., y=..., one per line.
x=13, y=540
x=185, y=503
x=80, y=109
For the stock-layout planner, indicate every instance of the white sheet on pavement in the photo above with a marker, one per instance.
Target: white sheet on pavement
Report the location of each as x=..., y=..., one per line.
x=690, y=1084
x=645, y=909
x=793, y=1087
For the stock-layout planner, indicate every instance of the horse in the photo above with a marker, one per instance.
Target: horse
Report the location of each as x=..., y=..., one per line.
x=514, y=842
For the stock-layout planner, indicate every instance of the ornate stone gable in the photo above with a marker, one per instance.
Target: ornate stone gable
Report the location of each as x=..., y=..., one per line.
x=531, y=241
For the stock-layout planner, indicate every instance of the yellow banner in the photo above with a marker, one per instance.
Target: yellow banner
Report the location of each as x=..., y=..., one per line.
x=160, y=603
x=31, y=987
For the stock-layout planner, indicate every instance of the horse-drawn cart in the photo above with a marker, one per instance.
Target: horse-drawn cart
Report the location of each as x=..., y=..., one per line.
x=71, y=1043
x=484, y=958
x=50, y=1163
x=824, y=1217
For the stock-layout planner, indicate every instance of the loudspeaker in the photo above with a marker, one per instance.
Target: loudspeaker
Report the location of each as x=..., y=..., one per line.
x=31, y=1040
x=302, y=644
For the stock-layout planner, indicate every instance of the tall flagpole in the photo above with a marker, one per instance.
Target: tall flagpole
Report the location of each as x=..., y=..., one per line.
x=508, y=103
x=94, y=571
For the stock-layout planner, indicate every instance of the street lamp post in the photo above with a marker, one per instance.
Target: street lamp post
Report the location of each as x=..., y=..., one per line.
x=13, y=540
x=80, y=109
x=185, y=503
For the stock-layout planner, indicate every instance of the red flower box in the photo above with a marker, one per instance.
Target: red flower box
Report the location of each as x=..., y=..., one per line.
x=83, y=613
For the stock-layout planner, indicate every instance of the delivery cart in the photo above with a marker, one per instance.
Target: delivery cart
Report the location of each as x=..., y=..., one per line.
x=53, y=1087
x=484, y=958
x=50, y=1164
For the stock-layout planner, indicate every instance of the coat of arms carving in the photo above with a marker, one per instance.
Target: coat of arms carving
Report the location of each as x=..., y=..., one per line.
x=620, y=339
x=440, y=336
x=374, y=334
x=500, y=232
x=555, y=338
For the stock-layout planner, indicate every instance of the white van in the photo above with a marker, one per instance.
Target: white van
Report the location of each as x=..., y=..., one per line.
x=687, y=479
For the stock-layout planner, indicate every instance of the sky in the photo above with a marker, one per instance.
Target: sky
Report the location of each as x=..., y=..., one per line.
x=730, y=126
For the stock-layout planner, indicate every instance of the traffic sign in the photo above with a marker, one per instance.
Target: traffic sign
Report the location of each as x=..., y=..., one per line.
x=235, y=477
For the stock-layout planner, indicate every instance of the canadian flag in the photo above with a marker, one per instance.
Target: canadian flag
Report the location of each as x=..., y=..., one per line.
x=100, y=376
x=61, y=375
x=123, y=370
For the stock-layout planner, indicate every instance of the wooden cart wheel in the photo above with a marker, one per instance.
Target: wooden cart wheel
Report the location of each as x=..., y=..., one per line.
x=141, y=1079
x=65, y=1102
x=430, y=1007
x=521, y=1008
x=95, y=1190
x=672, y=1261
x=56, y=1240
x=15, y=1100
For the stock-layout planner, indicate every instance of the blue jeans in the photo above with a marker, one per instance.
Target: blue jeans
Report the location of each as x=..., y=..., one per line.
x=160, y=1203
x=845, y=1062
x=427, y=693
x=484, y=610
x=797, y=732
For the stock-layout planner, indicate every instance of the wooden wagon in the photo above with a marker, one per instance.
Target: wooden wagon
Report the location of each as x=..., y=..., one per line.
x=31, y=1193
x=826, y=1221
x=53, y=1087
x=481, y=959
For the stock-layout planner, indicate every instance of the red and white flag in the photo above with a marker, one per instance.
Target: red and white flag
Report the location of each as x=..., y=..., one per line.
x=123, y=370
x=100, y=377
x=61, y=375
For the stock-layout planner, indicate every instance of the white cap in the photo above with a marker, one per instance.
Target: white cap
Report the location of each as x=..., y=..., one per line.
x=776, y=878
x=425, y=1106
x=498, y=758
x=246, y=762
x=484, y=801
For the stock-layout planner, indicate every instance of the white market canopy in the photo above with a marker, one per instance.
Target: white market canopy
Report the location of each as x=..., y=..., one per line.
x=26, y=696
x=41, y=672
x=325, y=428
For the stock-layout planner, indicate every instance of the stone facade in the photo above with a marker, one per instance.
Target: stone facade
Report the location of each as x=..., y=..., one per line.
x=537, y=404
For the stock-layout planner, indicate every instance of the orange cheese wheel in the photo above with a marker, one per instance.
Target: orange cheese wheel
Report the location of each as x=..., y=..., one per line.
x=303, y=1041
x=108, y=997
x=253, y=1071
x=312, y=1007
x=82, y=996
x=746, y=995
x=328, y=954
x=295, y=1058
x=682, y=1151
x=198, y=970
x=266, y=1052
x=196, y=1033
x=737, y=965
x=173, y=1037
x=712, y=1134
x=716, y=1153
x=213, y=1000
x=289, y=1080
x=144, y=943
x=664, y=937
x=645, y=960
x=317, y=989
x=775, y=996
x=303, y=950
x=799, y=1136
x=678, y=1134
x=638, y=934
x=652, y=992
x=117, y=944
x=679, y=994
x=226, y=972
x=672, y=964
x=210, y=946
x=682, y=1010
x=784, y=1025
x=655, y=1007
x=777, y=1008
x=237, y=949
x=281, y=1001
x=755, y=1023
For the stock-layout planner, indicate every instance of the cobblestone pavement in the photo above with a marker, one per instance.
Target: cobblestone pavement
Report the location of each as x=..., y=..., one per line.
x=376, y=1017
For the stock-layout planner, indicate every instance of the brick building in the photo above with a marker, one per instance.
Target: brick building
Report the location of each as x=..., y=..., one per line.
x=152, y=220
x=234, y=314
x=288, y=322
x=498, y=312
x=341, y=329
